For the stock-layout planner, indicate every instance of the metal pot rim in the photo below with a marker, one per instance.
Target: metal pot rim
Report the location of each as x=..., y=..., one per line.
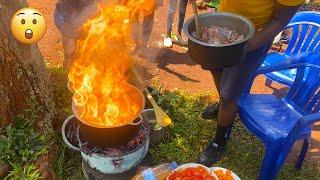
x=249, y=22
x=63, y=133
x=138, y=115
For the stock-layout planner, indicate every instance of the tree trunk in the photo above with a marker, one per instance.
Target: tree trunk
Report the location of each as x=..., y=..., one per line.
x=23, y=74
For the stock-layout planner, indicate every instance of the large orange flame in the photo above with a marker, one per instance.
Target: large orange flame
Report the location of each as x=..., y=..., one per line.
x=99, y=72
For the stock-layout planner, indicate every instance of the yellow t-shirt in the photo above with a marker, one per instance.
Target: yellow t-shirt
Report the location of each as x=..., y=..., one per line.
x=258, y=11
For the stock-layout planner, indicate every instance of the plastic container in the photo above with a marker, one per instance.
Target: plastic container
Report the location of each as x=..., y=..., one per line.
x=160, y=172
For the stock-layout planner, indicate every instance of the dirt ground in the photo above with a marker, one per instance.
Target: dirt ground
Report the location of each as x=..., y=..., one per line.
x=170, y=68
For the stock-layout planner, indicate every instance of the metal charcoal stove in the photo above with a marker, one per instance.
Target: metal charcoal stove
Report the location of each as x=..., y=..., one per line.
x=103, y=162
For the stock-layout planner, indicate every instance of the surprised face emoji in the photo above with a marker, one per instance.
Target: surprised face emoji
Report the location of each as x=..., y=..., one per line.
x=28, y=25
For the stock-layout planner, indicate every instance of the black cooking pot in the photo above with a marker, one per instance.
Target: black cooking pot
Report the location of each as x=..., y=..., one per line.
x=110, y=136
x=211, y=56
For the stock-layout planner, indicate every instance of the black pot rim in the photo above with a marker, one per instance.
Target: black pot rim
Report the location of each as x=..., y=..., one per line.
x=191, y=38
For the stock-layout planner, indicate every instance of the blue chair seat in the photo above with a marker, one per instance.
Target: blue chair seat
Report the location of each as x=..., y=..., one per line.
x=268, y=116
x=286, y=76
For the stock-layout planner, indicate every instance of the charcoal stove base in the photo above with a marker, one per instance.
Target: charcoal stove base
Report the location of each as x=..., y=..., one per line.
x=93, y=174
x=116, y=164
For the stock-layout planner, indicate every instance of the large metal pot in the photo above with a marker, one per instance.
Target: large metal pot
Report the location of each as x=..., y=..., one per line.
x=109, y=164
x=211, y=56
x=110, y=136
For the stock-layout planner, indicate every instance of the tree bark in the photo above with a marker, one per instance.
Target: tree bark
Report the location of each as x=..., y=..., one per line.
x=23, y=74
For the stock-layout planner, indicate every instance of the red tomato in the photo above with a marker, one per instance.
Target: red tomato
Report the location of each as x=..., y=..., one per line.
x=210, y=178
x=195, y=173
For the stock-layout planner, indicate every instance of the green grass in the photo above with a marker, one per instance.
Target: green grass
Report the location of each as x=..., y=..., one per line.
x=68, y=163
x=189, y=135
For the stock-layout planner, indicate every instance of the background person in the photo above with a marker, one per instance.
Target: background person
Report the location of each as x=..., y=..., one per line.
x=171, y=12
x=142, y=38
x=69, y=16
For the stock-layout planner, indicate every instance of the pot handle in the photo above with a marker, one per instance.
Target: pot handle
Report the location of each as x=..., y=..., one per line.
x=64, y=137
x=137, y=123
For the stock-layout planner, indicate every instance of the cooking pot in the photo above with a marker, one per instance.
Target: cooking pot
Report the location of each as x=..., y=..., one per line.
x=110, y=136
x=211, y=56
x=109, y=164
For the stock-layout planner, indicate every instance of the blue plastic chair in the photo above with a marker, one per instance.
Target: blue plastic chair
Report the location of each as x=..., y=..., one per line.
x=305, y=38
x=281, y=122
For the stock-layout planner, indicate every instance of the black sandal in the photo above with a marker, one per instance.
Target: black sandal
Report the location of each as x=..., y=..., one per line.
x=211, y=111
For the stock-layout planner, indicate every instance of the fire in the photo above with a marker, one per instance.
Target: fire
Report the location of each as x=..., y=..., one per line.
x=99, y=72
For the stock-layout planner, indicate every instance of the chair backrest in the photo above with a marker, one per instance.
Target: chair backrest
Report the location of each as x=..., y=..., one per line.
x=304, y=95
x=305, y=33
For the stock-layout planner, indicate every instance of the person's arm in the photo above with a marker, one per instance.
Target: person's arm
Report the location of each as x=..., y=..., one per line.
x=281, y=17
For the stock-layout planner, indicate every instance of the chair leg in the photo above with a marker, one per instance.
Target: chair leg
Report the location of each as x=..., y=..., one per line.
x=273, y=161
x=268, y=82
x=302, y=154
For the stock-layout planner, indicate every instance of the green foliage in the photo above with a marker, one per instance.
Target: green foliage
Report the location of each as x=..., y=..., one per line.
x=68, y=164
x=29, y=172
x=21, y=143
x=213, y=3
x=33, y=110
x=190, y=134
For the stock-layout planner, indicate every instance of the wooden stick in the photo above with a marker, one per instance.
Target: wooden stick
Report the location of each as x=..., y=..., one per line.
x=196, y=18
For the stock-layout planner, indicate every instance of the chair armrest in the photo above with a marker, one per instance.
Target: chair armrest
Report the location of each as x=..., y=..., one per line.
x=299, y=61
x=311, y=118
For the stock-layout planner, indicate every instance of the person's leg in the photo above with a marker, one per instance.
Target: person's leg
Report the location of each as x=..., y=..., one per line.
x=182, y=14
x=69, y=46
x=217, y=76
x=171, y=12
x=212, y=110
x=147, y=26
x=135, y=30
x=167, y=42
x=233, y=84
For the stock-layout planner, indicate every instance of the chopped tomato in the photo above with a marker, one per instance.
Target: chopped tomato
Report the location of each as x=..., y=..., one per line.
x=194, y=173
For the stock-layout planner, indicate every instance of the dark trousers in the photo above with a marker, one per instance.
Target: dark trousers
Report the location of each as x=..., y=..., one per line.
x=171, y=12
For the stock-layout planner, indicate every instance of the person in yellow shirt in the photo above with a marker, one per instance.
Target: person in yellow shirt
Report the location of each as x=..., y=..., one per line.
x=269, y=18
